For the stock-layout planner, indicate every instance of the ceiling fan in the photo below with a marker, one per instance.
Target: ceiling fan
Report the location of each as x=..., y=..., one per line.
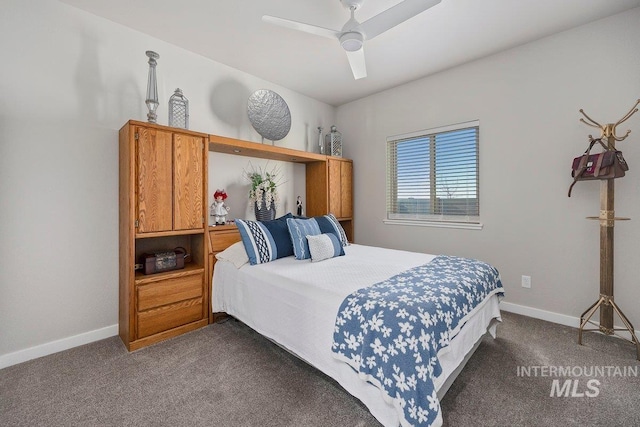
x=353, y=34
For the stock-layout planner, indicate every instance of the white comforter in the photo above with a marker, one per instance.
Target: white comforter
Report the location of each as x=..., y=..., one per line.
x=295, y=303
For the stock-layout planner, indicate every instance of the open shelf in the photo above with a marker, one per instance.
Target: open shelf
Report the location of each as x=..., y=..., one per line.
x=188, y=270
x=168, y=233
x=221, y=144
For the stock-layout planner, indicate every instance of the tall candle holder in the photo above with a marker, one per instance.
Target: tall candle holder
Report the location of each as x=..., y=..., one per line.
x=152, y=87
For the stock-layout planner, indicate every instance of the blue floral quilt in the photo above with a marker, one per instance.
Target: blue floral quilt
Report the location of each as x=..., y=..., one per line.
x=391, y=332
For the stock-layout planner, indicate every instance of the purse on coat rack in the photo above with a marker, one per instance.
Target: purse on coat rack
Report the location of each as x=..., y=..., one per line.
x=608, y=164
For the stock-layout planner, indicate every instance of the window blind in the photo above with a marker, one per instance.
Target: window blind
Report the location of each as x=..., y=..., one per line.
x=434, y=175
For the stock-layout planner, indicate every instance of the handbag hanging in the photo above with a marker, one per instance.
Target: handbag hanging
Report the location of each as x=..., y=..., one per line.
x=608, y=164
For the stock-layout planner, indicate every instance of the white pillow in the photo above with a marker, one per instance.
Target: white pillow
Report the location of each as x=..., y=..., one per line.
x=235, y=254
x=324, y=246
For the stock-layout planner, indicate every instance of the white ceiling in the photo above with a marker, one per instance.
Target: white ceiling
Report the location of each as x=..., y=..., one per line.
x=451, y=33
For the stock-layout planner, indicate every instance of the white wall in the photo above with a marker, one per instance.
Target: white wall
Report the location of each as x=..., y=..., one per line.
x=69, y=81
x=527, y=100
x=291, y=179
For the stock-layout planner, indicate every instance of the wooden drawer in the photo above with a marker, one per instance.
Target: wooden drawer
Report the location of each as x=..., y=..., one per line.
x=168, y=316
x=222, y=240
x=169, y=291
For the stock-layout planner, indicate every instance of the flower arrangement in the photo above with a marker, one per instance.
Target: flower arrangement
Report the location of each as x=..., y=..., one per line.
x=263, y=186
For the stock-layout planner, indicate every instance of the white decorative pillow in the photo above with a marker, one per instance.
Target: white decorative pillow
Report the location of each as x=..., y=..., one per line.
x=235, y=254
x=324, y=246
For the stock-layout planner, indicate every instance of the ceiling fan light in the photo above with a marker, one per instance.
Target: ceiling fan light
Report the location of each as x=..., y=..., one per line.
x=351, y=41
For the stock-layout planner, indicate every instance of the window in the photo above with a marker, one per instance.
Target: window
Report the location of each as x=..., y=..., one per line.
x=432, y=177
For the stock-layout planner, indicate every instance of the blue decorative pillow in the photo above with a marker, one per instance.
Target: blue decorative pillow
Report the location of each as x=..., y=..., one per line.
x=333, y=225
x=299, y=229
x=280, y=233
x=324, y=246
x=267, y=240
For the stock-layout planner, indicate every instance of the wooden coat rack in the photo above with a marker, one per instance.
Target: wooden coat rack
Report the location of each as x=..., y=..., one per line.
x=607, y=219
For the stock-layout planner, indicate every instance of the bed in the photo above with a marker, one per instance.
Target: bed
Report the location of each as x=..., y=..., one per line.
x=295, y=304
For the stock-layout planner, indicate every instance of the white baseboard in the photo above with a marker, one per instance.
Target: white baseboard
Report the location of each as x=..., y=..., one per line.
x=10, y=359
x=550, y=316
x=56, y=346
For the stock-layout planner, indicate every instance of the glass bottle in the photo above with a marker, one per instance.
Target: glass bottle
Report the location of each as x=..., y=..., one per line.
x=320, y=141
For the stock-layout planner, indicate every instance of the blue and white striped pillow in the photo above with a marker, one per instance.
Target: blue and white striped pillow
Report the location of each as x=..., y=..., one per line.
x=338, y=229
x=324, y=246
x=257, y=241
x=265, y=241
x=299, y=229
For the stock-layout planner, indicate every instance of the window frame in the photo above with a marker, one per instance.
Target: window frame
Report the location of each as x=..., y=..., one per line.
x=431, y=220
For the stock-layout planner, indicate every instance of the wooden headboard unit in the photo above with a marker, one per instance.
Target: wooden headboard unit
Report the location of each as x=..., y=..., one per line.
x=329, y=188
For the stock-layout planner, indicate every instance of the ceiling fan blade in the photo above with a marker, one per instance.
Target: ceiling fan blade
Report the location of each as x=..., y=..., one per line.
x=300, y=26
x=393, y=16
x=357, y=62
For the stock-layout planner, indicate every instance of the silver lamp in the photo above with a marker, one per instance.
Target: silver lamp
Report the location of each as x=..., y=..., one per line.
x=152, y=88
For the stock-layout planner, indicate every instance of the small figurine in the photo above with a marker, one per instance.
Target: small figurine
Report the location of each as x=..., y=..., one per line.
x=299, y=205
x=218, y=208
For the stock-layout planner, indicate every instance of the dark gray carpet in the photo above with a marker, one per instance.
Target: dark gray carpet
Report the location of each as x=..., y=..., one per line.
x=228, y=375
